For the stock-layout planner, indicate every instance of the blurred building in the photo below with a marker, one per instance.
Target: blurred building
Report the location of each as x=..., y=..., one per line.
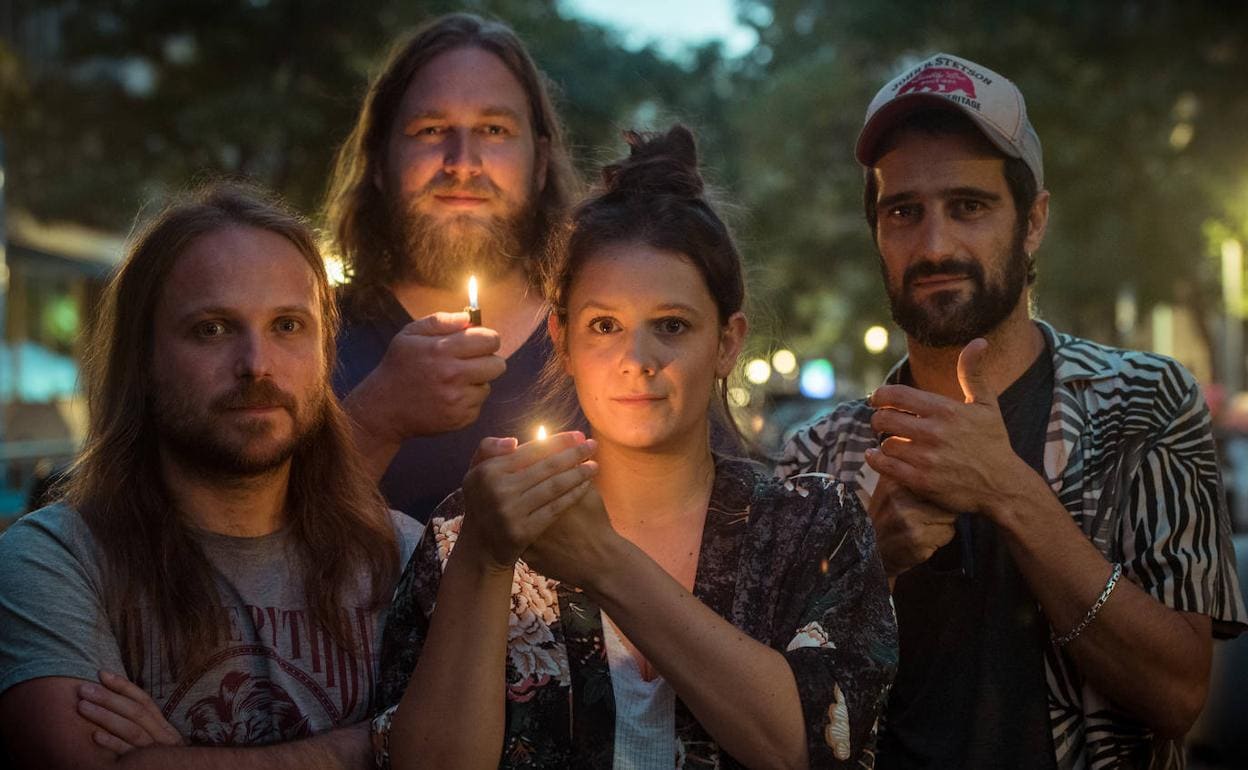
x=56, y=273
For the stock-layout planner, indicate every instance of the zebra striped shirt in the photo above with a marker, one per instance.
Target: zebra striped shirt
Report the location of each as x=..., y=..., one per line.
x=1129, y=452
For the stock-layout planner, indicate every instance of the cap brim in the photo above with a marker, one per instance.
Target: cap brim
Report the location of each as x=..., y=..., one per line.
x=898, y=109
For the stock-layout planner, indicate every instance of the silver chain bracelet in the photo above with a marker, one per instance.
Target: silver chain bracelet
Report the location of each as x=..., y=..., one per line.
x=1072, y=634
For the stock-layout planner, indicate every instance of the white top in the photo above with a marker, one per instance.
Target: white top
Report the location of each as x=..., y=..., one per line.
x=645, y=712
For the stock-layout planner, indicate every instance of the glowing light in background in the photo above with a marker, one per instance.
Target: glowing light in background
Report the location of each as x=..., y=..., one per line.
x=818, y=379
x=739, y=396
x=1232, y=276
x=784, y=361
x=335, y=271
x=1181, y=135
x=758, y=371
x=876, y=339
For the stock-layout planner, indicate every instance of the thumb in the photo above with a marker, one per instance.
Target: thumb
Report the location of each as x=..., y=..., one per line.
x=971, y=374
x=492, y=447
x=437, y=324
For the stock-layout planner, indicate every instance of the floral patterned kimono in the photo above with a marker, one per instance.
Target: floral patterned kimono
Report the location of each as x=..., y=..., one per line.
x=792, y=564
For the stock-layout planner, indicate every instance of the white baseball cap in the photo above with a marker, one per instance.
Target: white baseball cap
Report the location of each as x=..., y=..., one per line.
x=945, y=81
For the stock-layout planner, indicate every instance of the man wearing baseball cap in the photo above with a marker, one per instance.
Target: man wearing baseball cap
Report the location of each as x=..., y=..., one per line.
x=1049, y=509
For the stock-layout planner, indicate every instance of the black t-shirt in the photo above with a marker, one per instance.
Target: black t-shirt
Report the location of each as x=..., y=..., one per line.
x=970, y=690
x=428, y=468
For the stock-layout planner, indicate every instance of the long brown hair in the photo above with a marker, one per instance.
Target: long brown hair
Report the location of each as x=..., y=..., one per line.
x=337, y=519
x=356, y=213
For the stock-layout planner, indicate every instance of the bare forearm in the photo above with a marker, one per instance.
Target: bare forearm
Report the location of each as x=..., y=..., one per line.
x=452, y=713
x=1151, y=660
x=377, y=445
x=740, y=690
x=342, y=749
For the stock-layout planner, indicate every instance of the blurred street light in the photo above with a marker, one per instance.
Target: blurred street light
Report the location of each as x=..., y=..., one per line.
x=818, y=379
x=784, y=362
x=335, y=270
x=1232, y=277
x=1233, y=300
x=758, y=371
x=876, y=339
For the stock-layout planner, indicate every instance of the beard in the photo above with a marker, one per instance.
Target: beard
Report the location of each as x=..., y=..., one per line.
x=440, y=251
x=947, y=319
x=198, y=438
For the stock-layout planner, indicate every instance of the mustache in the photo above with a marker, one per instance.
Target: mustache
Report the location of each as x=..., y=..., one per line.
x=254, y=394
x=950, y=266
x=445, y=184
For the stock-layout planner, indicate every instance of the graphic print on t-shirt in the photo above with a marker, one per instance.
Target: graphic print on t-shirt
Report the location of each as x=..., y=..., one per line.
x=247, y=710
x=275, y=677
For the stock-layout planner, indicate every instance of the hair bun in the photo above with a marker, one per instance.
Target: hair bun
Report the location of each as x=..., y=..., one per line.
x=659, y=163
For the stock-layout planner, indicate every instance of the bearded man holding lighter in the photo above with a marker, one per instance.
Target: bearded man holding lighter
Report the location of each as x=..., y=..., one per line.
x=456, y=168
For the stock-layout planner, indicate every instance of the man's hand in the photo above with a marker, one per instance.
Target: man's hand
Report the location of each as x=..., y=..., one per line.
x=434, y=377
x=44, y=725
x=908, y=528
x=956, y=455
x=127, y=716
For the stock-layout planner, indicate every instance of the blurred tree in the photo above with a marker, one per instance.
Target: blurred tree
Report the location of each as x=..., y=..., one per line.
x=1141, y=108
x=130, y=98
x=124, y=99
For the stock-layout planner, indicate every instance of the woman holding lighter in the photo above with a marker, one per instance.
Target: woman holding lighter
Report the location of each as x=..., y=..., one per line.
x=632, y=599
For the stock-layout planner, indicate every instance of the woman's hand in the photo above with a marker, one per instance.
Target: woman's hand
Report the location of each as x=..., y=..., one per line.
x=127, y=716
x=575, y=548
x=513, y=493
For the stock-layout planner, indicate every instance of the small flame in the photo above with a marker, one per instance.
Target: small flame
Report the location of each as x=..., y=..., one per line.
x=541, y=433
x=472, y=292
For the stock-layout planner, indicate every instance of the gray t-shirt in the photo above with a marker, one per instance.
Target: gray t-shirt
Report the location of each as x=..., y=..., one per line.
x=274, y=677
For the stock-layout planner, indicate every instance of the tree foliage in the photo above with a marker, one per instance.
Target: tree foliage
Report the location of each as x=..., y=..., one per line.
x=1141, y=107
x=122, y=100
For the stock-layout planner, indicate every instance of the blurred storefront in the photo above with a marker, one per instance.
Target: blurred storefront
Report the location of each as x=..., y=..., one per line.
x=55, y=274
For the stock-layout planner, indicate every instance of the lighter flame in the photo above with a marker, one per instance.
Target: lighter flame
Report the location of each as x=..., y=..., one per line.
x=472, y=292
x=541, y=433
